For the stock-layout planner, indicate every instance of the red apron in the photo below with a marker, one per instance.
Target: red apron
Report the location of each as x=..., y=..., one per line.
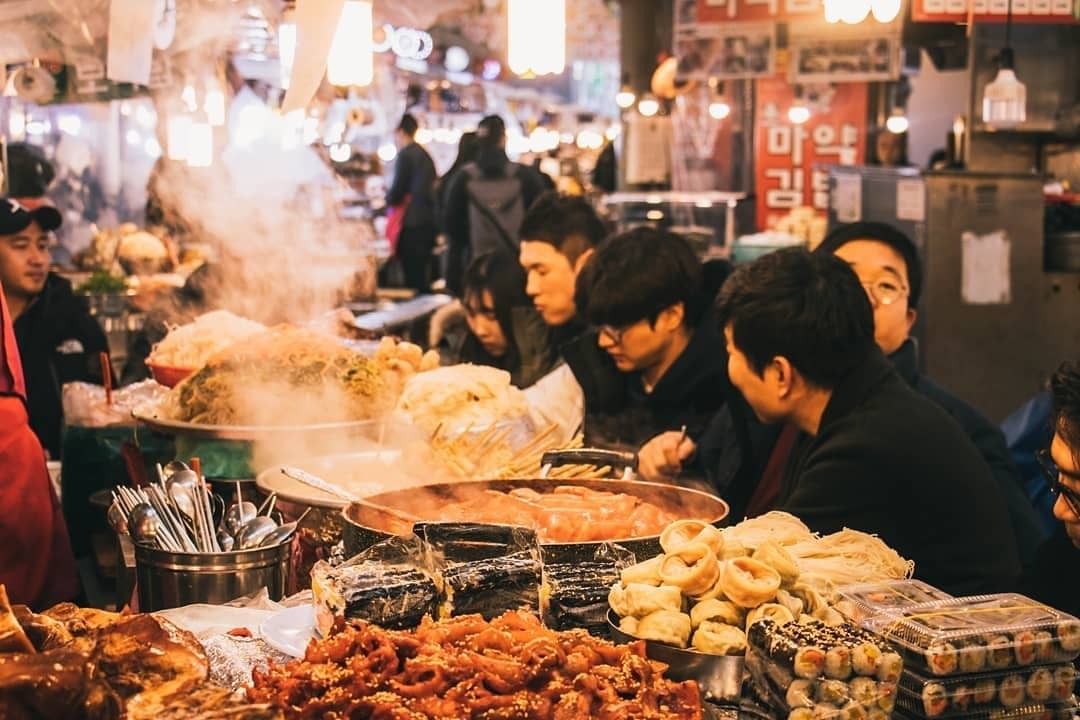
x=36, y=562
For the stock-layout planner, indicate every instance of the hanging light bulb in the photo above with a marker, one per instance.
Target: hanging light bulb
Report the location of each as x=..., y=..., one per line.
x=1005, y=99
x=897, y=123
x=351, y=60
x=719, y=108
x=832, y=11
x=649, y=105
x=286, y=46
x=885, y=11
x=854, y=12
x=625, y=97
x=798, y=113
x=536, y=35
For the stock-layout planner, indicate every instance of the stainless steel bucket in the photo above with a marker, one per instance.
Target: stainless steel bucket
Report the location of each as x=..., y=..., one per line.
x=171, y=579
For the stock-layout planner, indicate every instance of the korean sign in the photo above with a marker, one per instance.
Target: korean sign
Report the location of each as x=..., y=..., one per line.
x=791, y=160
x=714, y=11
x=952, y=11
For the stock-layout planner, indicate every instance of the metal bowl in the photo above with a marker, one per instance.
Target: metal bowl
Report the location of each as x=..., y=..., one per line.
x=365, y=526
x=720, y=677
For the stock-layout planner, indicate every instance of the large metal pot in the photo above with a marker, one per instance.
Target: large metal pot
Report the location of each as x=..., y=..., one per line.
x=366, y=525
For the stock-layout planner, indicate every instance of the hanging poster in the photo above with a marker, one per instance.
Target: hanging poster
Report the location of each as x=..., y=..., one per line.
x=856, y=59
x=718, y=11
x=725, y=51
x=791, y=168
x=983, y=11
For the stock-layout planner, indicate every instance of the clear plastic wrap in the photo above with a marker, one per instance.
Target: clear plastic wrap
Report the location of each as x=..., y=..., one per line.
x=961, y=696
x=865, y=600
x=810, y=671
x=981, y=633
x=575, y=595
x=390, y=584
x=85, y=405
x=485, y=569
x=1035, y=711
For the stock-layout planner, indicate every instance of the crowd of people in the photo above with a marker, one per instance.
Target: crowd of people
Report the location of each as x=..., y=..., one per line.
x=789, y=383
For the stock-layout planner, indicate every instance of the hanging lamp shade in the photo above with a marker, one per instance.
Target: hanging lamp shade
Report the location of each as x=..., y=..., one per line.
x=1005, y=99
x=536, y=33
x=352, y=58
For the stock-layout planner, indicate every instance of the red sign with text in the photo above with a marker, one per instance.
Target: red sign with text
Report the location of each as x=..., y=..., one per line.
x=956, y=11
x=791, y=160
x=716, y=11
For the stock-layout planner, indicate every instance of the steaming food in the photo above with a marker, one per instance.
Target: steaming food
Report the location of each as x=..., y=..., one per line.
x=192, y=345
x=283, y=376
x=568, y=514
x=462, y=396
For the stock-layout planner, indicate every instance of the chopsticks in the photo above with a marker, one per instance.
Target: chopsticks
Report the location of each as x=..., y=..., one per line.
x=106, y=375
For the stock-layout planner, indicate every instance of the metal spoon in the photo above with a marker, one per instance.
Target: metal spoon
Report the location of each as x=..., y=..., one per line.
x=181, y=487
x=283, y=532
x=239, y=515
x=117, y=520
x=226, y=541
x=146, y=527
x=174, y=467
x=255, y=532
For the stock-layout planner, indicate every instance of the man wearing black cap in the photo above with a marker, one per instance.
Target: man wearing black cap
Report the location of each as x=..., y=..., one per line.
x=59, y=342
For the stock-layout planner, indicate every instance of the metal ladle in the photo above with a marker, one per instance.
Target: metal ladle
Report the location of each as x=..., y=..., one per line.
x=283, y=532
x=254, y=532
x=239, y=513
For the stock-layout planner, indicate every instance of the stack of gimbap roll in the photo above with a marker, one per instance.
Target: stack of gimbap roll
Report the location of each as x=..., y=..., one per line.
x=814, y=671
x=987, y=657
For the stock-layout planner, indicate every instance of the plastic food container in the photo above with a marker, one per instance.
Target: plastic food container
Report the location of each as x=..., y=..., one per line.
x=980, y=634
x=1036, y=711
x=811, y=671
x=960, y=696
x=866, y=600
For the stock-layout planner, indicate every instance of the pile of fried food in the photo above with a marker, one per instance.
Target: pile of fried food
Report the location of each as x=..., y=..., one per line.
x=466, y=667
x=70, y=663
x=490, y=454
x=709, y=586
x=293, y=376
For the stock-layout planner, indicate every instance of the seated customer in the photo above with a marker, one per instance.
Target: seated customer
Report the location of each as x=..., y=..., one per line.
x=656, y=361
x=503, y=329
x=59, y=341
x=876, y=456
x=1054, y=579
x=888, y=267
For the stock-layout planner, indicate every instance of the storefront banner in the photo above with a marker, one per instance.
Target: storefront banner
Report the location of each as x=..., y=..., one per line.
x=791, y=161
x=956, y=11
x=864, y=59
x=717, y=11
x=725, y=51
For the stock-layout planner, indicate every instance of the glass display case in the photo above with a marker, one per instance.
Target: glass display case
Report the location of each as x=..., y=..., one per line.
x=710, y=221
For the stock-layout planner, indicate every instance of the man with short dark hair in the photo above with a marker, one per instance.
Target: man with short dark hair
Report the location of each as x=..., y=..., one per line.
x=487, y=201
x=875, y=456
x=1054, y=579
x=888, y=267
x=413, y=193
x=654, y=362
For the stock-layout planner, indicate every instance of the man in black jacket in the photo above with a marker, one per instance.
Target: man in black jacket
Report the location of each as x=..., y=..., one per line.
x=876, y=456
x=59, y=341
x=1055, y=579
x=655, y=362
x=888, y=267
x=414, y=187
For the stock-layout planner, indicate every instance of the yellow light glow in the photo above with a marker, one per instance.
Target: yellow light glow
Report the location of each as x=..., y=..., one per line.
x=351, y=60
x=885, y=11
x=648, y=106
x=798, y=114
x=625, y=98
x=719, y=110
x=536, y=33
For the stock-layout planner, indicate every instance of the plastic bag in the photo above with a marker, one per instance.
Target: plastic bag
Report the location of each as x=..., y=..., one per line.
x=575, y=594
x=85, y=406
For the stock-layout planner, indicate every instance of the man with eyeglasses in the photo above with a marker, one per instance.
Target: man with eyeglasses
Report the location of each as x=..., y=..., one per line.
x=661, y=365
x=888, y=266
x=1054, y=579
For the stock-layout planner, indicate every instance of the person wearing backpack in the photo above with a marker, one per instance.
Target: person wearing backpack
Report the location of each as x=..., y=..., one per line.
x=486, y=202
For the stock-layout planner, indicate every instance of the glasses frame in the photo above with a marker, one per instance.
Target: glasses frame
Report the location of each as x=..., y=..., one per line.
x=870, y=290
x=1053, y=475
x=614, y=334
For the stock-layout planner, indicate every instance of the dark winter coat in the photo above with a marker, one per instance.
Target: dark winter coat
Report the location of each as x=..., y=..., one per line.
x=888, y=461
